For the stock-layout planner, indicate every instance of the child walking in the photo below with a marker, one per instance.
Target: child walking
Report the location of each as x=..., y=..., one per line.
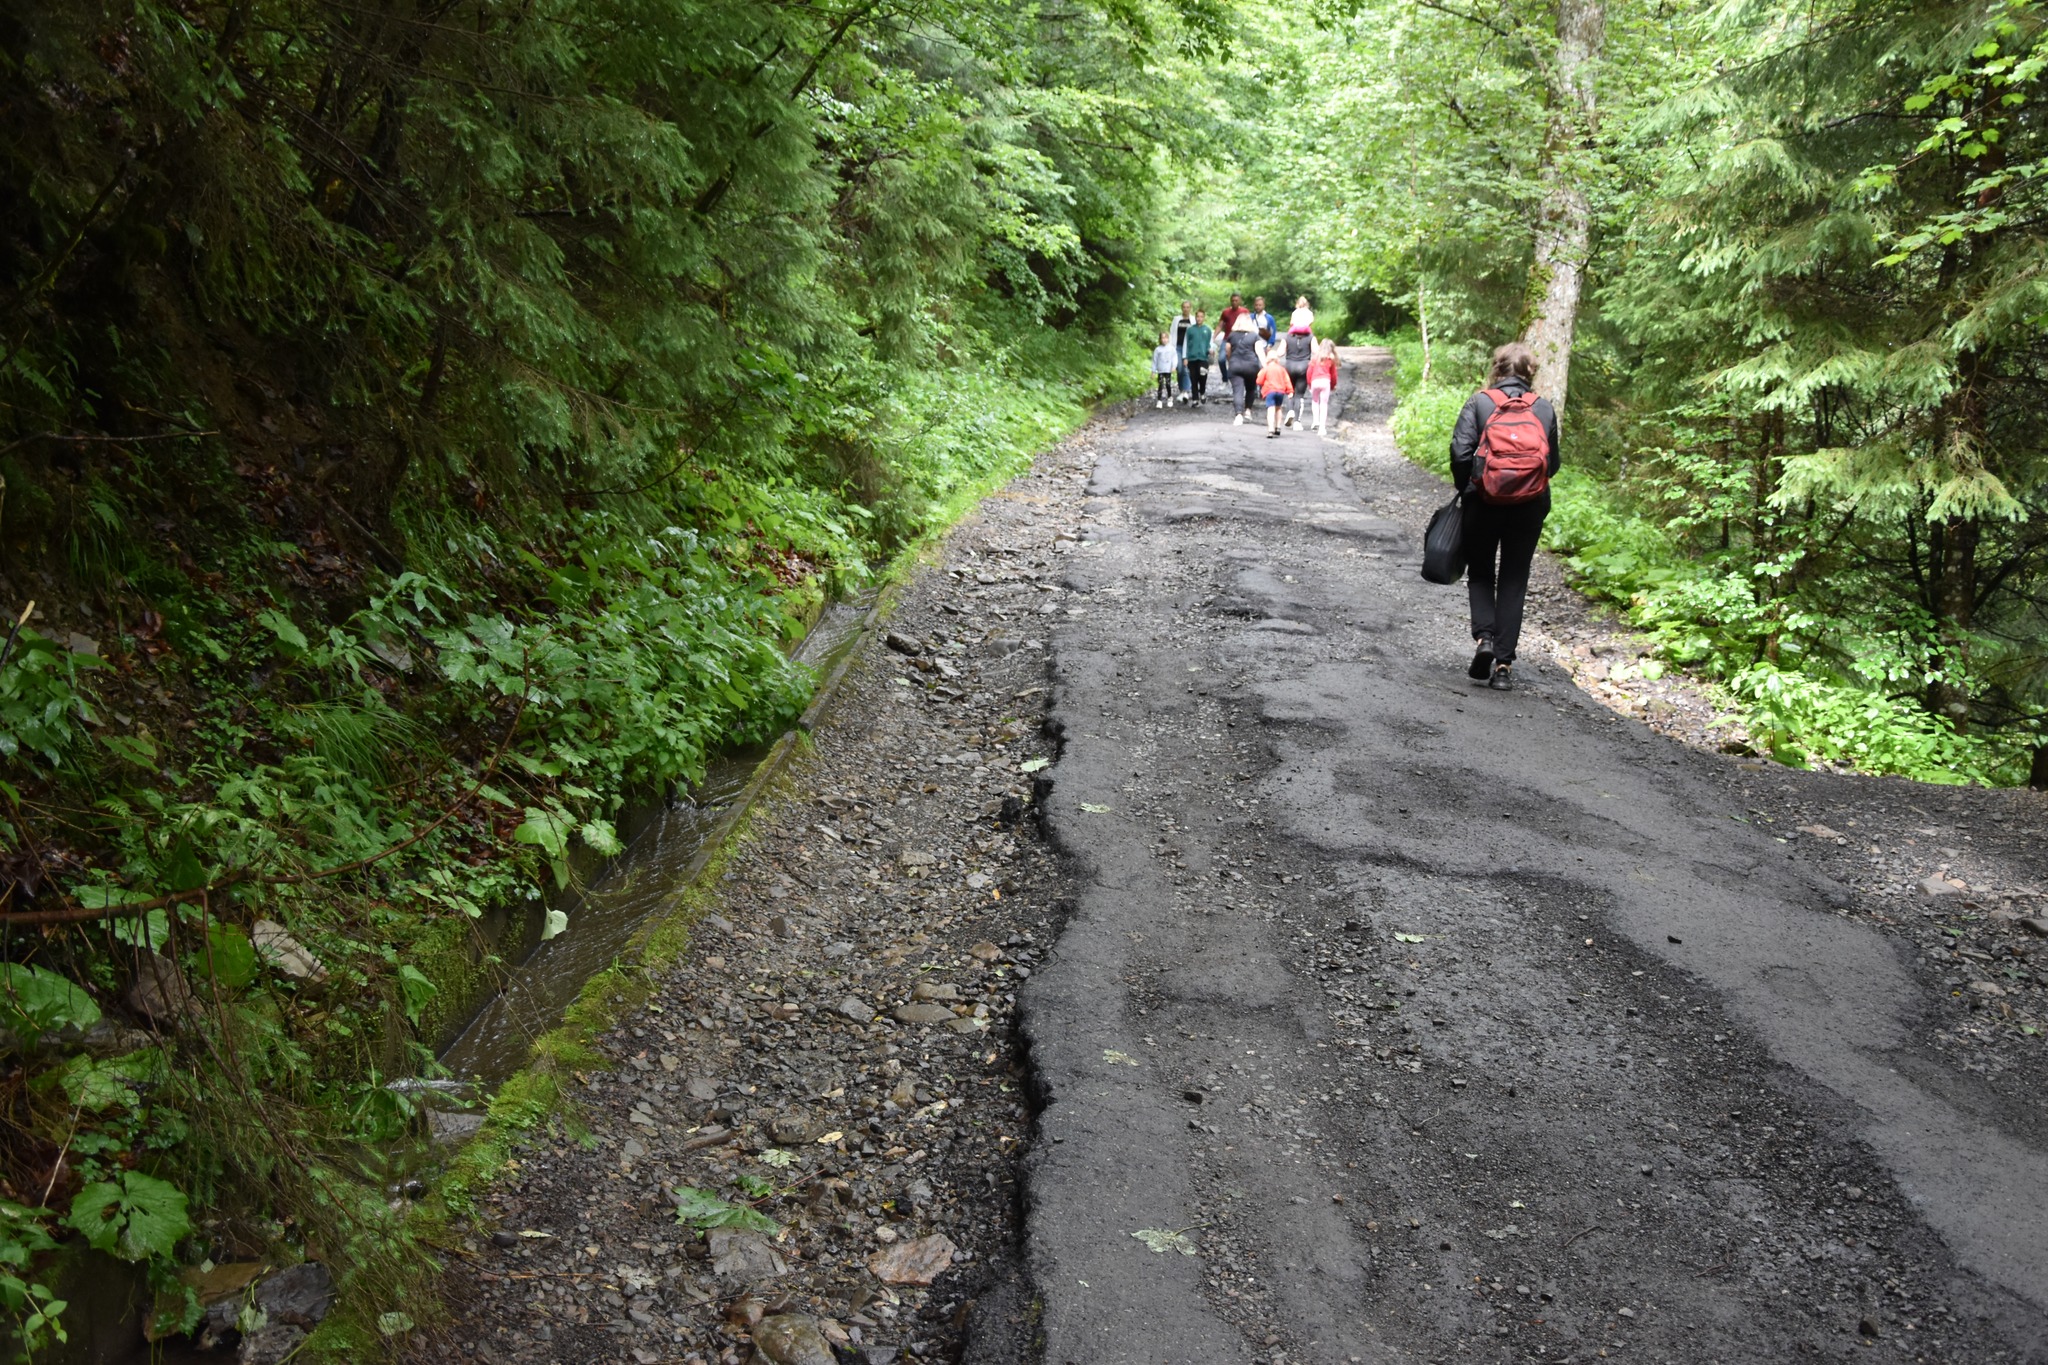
x=1164, y=363
x=1276, y=384
x=1322, y=381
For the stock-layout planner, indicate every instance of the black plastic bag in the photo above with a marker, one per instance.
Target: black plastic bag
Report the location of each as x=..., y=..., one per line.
x=1443, y=544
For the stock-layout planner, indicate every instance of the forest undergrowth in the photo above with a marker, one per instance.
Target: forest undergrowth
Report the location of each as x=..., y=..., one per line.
x=423, y=437
x=1805, y=680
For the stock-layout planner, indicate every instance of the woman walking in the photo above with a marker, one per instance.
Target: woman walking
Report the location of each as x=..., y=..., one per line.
x=1241, y=361
x=1504, y=451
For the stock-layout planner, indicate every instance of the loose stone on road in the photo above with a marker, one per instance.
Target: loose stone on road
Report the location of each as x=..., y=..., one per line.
x=1402, y=1020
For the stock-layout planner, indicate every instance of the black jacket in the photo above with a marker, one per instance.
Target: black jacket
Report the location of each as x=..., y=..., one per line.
x=1471, y=421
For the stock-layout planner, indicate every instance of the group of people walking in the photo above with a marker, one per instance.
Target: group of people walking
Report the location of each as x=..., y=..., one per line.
x=1504, y=447
x=1291, y=373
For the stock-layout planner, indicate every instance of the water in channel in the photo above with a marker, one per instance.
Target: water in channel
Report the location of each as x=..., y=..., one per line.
x=662, y=859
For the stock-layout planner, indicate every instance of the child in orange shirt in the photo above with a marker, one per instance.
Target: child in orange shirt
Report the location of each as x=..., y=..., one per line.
x=1277, y=385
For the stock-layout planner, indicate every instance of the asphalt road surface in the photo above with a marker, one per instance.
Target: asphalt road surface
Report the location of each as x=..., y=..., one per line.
x=1410, y=1021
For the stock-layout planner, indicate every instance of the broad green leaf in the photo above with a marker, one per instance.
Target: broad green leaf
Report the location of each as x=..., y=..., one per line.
x=415, y=990
x=98, y=1084
x=703, y=1210
x=34, y=1001
x=602, y=838
x=1163, y=1240
x=281, y=626
x=139, y=750
x=546, y=830
x=230, y=954
x=150, y=929
x=134, y=1216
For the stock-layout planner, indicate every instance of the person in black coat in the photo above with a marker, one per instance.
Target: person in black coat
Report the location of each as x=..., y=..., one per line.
x=1500, y=541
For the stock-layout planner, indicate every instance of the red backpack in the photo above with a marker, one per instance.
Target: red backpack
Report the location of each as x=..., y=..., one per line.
x=1512, y=463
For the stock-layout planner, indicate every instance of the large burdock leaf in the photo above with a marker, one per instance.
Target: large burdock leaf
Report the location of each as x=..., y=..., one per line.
x=134, y=1217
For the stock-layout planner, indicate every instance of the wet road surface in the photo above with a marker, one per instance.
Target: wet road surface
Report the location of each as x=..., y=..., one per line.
x=1410, y=1021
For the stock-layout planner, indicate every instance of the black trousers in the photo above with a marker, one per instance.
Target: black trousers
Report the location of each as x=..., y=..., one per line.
x=1500, y=544
x=1198, y=377
x=1244, y=388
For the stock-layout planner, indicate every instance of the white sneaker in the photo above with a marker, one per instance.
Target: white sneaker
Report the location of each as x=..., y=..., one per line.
x=1240, y=419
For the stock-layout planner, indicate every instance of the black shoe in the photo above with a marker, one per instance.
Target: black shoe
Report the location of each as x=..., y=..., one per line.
x=1481, y=667
x=1500, y=681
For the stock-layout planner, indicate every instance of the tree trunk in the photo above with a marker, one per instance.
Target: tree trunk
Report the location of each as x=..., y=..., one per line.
x=1959, y=440
x=1422, y=323
x=1564, y=226
x=1955, y=602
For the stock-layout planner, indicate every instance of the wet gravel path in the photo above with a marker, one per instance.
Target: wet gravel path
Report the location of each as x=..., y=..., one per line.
x=1403, y=1020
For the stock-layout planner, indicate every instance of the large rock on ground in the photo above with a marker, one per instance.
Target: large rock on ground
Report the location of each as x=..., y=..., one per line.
x=792, y=1339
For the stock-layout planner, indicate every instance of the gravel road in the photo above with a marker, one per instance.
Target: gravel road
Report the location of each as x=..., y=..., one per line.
x=1406, y=1021
x=1401, y=1020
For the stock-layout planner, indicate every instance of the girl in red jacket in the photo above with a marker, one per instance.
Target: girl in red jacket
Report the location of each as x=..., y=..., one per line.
x=1322, y=381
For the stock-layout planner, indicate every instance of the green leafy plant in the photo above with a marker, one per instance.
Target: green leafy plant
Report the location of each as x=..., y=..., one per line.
x=35, y=1000
x=133, y=1216
x=703, y=1211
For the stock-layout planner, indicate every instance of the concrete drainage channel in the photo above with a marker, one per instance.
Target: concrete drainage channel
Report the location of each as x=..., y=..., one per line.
x=642, y=884
x=626, y=898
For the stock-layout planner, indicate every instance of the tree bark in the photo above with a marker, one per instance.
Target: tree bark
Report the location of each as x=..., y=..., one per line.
x=1564, y=225
x=1955, y=603
x=1422, y=323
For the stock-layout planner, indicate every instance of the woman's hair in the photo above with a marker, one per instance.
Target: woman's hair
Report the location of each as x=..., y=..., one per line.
x=1244, y=323
x=1301, y=302
x=1514, y=361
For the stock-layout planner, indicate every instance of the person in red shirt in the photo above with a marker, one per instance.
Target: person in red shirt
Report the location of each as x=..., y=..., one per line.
x=1322, y=381
x=1224, y=325
x=1230, y=314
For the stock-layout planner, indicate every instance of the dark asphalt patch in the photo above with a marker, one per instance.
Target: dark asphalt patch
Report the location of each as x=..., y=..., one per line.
x=1597, y=1070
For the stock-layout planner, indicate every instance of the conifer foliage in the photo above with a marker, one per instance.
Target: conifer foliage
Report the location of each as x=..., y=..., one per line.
x=423, y=425
x=1807, y=375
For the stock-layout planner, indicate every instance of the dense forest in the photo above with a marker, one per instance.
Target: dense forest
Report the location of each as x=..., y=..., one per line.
x=425, y=425
x=1783, y=265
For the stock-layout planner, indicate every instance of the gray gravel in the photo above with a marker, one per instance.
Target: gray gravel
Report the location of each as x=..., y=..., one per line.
x=840, y=1034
